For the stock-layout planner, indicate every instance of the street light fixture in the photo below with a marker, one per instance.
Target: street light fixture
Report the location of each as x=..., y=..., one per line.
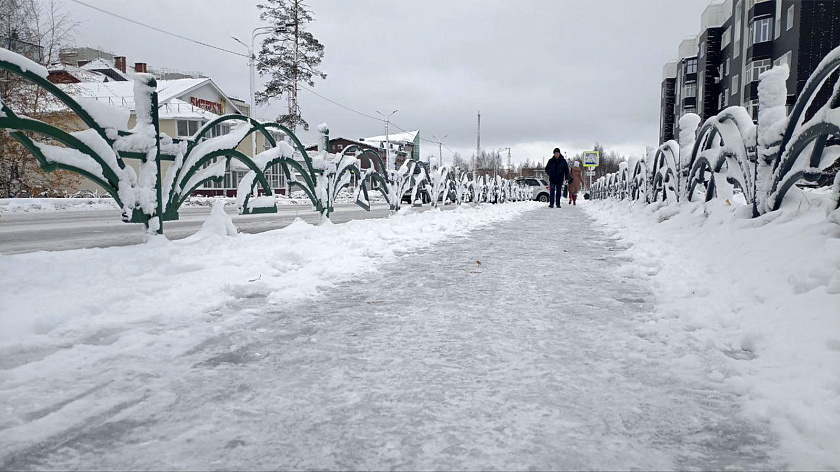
x=387, y=138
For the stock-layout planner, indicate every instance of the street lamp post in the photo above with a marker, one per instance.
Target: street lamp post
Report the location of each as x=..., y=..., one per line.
x=387, y=139
x=252, y=61
x=440, y=148
x=260, y=30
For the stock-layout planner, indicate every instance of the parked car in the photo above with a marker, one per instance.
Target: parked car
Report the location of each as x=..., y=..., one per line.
x=539, y=188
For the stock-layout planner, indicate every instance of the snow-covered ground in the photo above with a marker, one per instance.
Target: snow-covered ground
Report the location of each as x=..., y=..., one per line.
x=608, y=335
x=31, y=205
x=27, y=205
x=753, y=303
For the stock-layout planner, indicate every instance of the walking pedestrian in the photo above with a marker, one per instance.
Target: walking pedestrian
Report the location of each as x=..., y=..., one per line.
x=558, y=172
x=574, y=184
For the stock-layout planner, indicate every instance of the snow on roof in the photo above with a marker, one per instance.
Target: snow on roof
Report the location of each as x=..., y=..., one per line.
x=408, y=137
x=121, y=94
x=98, y=63
x=669, y=70
x=180, y=109
x=102, y=64
x=688, y=47
x=78, y=73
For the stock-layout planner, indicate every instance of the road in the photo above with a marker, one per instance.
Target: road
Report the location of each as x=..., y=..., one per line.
x=63, y=230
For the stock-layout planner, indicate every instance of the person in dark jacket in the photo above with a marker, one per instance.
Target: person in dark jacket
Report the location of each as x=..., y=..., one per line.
x=558, y=172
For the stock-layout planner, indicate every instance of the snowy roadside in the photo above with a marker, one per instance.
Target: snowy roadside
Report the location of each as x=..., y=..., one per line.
x=753, y=302
x=40, y=205
x=32, y=205
x=64, y=313
x=54, y=298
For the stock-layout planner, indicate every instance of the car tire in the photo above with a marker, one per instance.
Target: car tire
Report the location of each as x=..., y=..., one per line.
x=542, y=198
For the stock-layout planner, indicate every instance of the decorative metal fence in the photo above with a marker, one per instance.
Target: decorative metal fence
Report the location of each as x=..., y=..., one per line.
x=730, y=153
x=151, y=197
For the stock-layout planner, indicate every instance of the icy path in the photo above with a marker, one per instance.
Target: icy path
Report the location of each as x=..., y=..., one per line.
x=434, y=363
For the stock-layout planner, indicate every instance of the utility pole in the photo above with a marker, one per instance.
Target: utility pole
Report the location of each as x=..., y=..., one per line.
x=387, y=139
x=477, y=147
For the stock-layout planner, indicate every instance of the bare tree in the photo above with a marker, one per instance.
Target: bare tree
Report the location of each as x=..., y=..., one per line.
x=488, y=161
x=458, y=161
x=36, y=29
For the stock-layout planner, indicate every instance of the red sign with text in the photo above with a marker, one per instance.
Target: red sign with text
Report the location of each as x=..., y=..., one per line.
x=213, y=107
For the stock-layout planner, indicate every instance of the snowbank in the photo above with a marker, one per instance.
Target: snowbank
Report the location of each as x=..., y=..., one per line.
x=25, y=205
x=33, y=205
x=57, y=298
x=63, y=311
x=753, y=302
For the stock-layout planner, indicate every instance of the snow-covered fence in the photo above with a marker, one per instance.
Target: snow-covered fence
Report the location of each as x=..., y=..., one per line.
x=148, y=196
x=730, y=153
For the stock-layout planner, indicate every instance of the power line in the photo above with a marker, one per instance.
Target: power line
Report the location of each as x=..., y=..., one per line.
x=421, y=138
x=450, y=150
x=158, y=29
x=342, y=106
x=363, y=114
x=201, y=43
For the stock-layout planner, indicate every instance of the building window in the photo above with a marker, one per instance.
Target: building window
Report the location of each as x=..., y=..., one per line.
x=700, y=82
x=785, y=59
x=754, y=70
x=187, y=128
x=726, y=38
x=752, y=108
x=739, y=13
x=760, y=31
x=790, y=18
x=690, y=90
x=727, y=70
x=687, y=110
x=725, y=98
x=691, y=66
x=777, y=23
x=219, y=130
x=702, y=50
x=735, y=84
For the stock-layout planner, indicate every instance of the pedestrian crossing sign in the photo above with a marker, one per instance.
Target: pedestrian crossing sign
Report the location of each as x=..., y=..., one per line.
x=590, y=158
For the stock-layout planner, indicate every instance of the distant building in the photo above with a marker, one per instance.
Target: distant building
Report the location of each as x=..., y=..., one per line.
x=403, y=146
x=113, y=66
x=185, y=105
x=740, y=39
x=14, y=43
x=338, y=145
x=668, y=100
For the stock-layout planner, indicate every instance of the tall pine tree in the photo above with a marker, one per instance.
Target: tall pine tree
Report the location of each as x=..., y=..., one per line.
x=290, y=55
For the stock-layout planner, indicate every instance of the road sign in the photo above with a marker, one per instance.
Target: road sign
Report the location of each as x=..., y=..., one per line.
x=590, y=158
x=590, y=173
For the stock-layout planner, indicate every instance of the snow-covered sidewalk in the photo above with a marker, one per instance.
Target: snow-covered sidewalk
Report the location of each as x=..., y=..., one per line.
x=398, y=350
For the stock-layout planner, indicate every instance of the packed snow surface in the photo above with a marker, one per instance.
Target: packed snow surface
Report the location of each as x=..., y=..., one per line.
x=753, y=305
x=507, y=337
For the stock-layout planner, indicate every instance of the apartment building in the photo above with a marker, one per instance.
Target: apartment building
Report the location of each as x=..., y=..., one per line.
x=738, y=40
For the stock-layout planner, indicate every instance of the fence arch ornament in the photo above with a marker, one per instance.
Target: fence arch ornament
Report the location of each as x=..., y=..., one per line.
x=730, y=153
x=149, y=196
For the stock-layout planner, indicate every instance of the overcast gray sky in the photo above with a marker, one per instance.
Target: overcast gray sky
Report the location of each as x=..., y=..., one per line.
x=560, y=73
